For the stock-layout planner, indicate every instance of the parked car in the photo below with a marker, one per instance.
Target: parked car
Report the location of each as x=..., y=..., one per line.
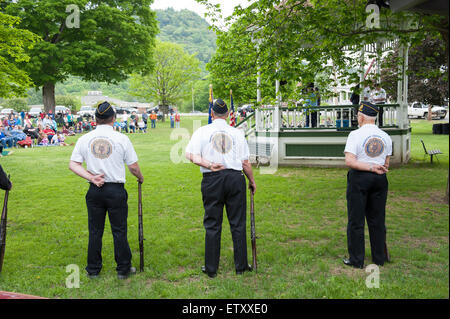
x=34, y=112
x=155, y=109
x=61, y=109
x=6, y=112
x=86, y=111
x=420, y=110
x=122, y=110
x=245, y=109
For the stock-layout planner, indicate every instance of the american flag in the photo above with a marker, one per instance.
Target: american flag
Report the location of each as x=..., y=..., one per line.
x=211, y=101
x=232, y=114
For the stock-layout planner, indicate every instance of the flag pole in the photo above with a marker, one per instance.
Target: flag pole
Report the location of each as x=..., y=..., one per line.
x=210, y=103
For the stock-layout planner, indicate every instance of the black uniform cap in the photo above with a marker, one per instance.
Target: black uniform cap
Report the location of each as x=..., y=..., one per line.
x=220, y=107
x=369, y=109
x=104, y=111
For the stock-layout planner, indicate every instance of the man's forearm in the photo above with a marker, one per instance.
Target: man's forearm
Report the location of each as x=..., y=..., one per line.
x=78, y=169
x=136, y=171
x=248, y=171
x=198, y=160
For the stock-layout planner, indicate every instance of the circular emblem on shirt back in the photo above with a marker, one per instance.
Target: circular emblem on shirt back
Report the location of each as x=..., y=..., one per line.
x=101, y=148
x=222, y=142
x=374, y=147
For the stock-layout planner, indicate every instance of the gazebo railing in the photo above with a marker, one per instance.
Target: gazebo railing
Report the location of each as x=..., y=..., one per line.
x=274, y=119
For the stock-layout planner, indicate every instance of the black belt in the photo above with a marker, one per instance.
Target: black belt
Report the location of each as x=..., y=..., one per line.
x=221, y=172
x=364, y=172
x=119, y=184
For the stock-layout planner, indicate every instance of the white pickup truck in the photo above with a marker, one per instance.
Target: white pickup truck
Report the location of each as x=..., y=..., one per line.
x=418, y=109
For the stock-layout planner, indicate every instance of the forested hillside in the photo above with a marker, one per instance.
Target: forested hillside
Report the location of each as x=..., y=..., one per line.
x=188, y=29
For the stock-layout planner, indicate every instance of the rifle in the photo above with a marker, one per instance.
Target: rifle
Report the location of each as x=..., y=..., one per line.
x=253, y=230
x=141, y=230
x=386, y=251
x=3, y=228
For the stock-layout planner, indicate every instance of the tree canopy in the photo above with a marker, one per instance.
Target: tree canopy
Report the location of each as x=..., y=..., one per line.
x=113, y=39
x=427, y=72
x=13, y=45
x=301, y=39
x=172, y=78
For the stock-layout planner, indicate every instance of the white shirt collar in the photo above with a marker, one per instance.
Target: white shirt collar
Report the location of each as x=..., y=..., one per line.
x=104, y=127
x=219, y=121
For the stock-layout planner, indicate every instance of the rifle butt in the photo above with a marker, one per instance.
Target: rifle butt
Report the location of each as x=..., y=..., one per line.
x=4, y=220
x=253, y=231
x=141, y=229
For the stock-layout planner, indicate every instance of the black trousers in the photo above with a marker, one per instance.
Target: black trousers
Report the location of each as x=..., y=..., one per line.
x=225, y=188
x=380, y=115
x=366, y=199
x=111, y=198
x=314, y=118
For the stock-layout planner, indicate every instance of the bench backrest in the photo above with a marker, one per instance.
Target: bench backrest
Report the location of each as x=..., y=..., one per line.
x=424, y=148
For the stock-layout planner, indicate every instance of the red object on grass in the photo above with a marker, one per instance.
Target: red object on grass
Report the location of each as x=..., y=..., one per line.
x=25, y=142
x=13, y=295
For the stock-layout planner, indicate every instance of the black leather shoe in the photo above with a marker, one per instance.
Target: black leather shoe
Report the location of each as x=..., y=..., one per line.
x=132, y=271
x=92, y=276
x=240, y=272
x=347, y=262
x=210, y=274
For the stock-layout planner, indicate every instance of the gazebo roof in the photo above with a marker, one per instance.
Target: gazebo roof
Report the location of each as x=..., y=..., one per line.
x=424, y=6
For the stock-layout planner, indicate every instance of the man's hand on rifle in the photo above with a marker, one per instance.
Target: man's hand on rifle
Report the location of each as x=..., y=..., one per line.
x=252, y=187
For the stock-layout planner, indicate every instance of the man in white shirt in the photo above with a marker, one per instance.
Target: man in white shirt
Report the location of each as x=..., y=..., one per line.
x=222, y=153
x=378, y=97
x=106, y=152
x=367, y=154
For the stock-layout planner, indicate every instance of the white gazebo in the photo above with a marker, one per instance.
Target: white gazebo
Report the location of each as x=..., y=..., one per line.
x=281, y=136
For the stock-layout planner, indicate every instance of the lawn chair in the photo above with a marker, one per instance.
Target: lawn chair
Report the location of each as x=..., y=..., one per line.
x=431, y=153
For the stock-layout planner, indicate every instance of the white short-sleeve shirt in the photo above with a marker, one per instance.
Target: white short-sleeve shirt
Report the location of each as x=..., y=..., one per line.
x=378, y=96
x=369, y=144
x=105, y=151
x=220, y=143
x=367, y=95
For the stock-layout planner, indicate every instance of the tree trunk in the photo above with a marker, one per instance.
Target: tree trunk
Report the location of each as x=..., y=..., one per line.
x=430, y=116
x=48, y=95
x=165, y=110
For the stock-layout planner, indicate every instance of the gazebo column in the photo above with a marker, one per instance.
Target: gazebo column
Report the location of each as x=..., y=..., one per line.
x=402, y=87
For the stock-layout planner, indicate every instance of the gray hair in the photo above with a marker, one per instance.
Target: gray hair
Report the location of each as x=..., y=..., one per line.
x=367, y=117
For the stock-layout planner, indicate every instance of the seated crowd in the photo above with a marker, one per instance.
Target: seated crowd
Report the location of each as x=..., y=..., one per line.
x=43, y=130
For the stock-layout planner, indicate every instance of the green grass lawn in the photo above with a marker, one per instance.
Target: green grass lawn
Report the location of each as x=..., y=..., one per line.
x=300, y=218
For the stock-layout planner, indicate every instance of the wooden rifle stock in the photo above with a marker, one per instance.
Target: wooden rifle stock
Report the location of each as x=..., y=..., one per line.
x=386, y=251
x=253, y=230
x=3, y=228
x=141, y=230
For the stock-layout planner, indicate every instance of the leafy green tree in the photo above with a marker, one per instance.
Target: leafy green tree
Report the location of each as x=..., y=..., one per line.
x=114, y=38
x=302, y=38
x=427, y=73
x=17, y=104
x=72, y=102
x=171, y=81
x=13, y=44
